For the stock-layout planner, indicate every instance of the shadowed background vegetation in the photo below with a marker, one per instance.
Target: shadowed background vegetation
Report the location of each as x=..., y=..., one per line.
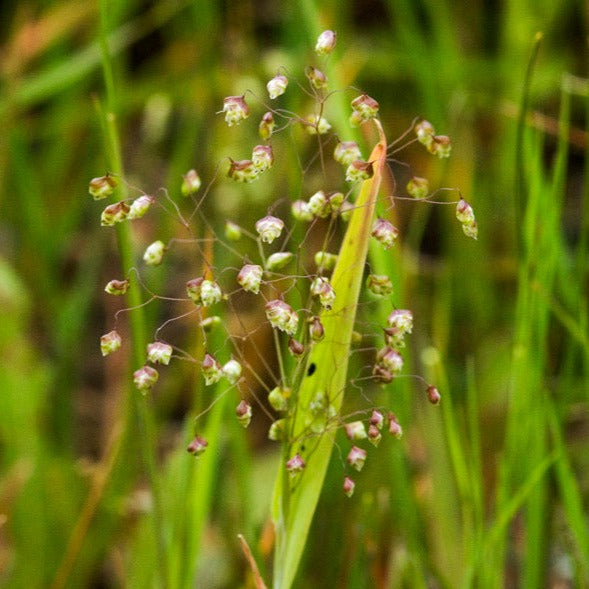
x=489, y=489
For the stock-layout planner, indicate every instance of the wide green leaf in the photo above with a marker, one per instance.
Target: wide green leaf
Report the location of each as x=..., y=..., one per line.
x=326, y=369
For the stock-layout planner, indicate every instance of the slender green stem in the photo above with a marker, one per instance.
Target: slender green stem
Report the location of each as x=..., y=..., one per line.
x=329, y=358
x=519, y=182
x=280, y=359
x=138, y=405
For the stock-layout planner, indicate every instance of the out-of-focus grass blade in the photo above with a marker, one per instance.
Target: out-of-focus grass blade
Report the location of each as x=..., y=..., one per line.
x=518, y=499
x=294, y=503
x=64, y=74
x=570, y=493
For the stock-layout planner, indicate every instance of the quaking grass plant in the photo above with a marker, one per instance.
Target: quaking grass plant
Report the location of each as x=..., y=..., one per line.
x=312, y=307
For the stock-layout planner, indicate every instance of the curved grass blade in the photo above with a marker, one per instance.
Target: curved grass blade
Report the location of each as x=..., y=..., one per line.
x=326, y=372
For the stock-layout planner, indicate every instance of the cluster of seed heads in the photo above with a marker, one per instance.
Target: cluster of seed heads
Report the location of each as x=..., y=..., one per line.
x=303, y=328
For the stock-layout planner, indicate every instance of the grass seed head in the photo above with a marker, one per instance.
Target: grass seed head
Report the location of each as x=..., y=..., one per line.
x=145, y=378
x=110, y=342
x=235, y=109
x=159, y=353
x=102, y=186
x=277, y=86
x=325, y=42
x=244, y=413
x=190, y=183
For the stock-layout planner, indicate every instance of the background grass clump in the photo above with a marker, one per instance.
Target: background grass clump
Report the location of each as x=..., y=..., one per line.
x=489, y=489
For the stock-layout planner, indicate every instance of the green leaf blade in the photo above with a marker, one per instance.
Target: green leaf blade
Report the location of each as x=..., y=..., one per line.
x=295, y=503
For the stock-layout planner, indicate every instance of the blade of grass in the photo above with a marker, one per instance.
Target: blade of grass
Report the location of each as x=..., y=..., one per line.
x=251, y=561
x=295, y=504
x=201, y=485
x=137, y=321
x=569, y=492
x=519, y=181
x=517, y=500
x=525, y=444
x=405, y=510
x=542, y=250
x=550, y=249
x=56, y=78
x=477, y=482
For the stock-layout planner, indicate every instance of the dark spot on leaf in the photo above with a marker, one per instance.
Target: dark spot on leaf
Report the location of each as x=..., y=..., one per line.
x=312, y=369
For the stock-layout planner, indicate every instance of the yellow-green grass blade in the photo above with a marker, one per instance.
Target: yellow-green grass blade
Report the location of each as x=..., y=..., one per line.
x=326, y=371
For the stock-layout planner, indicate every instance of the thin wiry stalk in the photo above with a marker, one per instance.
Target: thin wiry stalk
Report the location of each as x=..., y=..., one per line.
x=138, y=406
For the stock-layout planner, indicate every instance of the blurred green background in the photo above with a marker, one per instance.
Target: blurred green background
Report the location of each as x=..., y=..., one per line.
x=488, y=490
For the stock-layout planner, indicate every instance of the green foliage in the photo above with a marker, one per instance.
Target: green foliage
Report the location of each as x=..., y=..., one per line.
x=487, y=490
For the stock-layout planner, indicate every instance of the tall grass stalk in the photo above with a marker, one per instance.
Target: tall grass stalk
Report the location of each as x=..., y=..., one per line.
x=295, y=502
x=138, y=407
x=539, y=219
